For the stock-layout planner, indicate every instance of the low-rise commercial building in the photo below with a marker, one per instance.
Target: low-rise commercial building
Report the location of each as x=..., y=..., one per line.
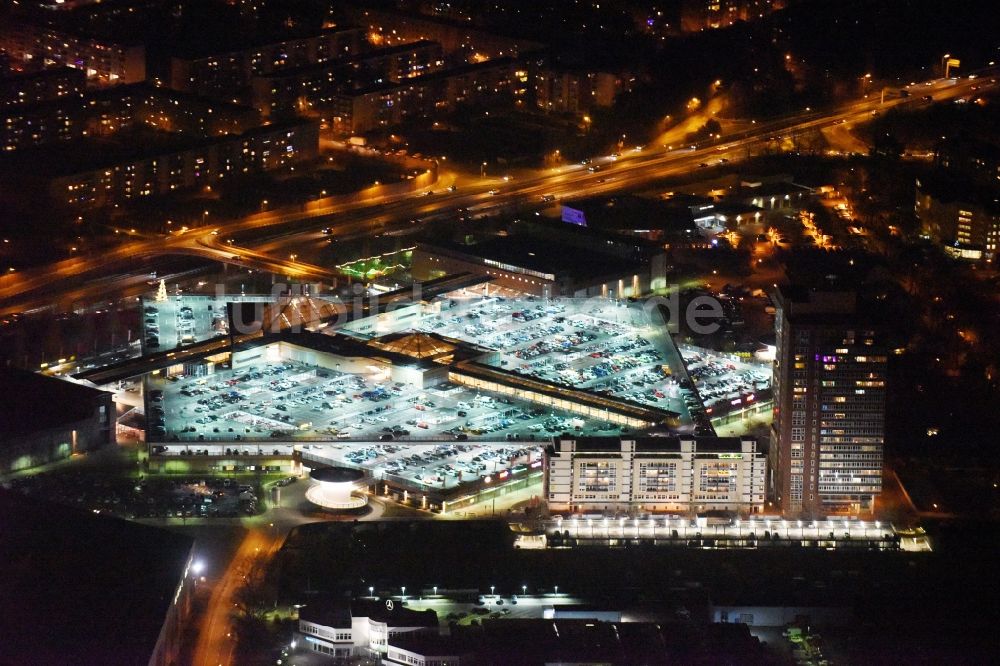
x=665, y=221
x=675, y=474
x=537, y=641
x=524, y=260
x=32, y=435
x=773, y=196
x=361, y=628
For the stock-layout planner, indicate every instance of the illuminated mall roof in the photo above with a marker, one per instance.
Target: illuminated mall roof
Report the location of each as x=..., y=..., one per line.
x=417, y=345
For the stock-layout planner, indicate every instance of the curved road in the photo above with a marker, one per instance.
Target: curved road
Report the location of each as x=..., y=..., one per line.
x=21, y=291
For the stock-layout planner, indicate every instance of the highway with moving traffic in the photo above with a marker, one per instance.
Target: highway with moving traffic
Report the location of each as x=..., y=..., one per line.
x=61, y=282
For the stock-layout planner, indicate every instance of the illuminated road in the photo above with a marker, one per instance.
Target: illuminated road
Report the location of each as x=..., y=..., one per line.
x=216, y=638
x=374, y=211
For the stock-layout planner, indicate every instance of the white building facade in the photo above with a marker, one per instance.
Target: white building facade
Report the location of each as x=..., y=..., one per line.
x=674, y=474
x=362, y=628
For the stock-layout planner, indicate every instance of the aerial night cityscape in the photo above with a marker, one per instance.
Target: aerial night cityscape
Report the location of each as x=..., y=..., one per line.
x=466, y=333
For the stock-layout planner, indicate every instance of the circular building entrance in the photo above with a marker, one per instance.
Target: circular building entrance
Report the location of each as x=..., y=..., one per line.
x=333, y=489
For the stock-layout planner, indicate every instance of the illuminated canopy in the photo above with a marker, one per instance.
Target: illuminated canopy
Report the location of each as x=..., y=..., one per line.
x=333, y=488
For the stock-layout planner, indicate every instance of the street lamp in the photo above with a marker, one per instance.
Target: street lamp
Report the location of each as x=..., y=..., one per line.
x=482, y=170
x=371, y=591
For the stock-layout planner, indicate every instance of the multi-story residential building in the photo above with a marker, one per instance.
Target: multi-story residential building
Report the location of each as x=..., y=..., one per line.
x=33, y=87
x=227, y=74
x=183, y=113
x=40, y=124
x=561, y=90
x=358, y=111
x=829, y=404
x=386, y=27
x=313, y=88
x=677, y=474
x=963, y=217
x=480, y=82
x=701, y=14
x=126, y=173
x=103, y=61
x=108, y=110
x=395, y=63
x=972, y=158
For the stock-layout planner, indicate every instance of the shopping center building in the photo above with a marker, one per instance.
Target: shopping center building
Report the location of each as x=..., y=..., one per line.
x=676, y=474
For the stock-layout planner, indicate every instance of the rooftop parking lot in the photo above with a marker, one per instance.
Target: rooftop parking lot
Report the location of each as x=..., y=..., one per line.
x=440, y=466
x=294, y=401
x=591, y=344
x=181, y=321
x=724, y=380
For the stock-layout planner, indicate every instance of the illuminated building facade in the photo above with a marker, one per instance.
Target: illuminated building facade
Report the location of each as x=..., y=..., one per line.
x=227, y=75
x=26, y=88
x=676, y=474
x=386, y=27
x=963, y=218
x=575, y=92
x=524, y=261
x=119, y=179
x=103, y=62
x=358, y=111
x=829, y=417
x=362, y=627
x=106, y=111
x=703, y=14
x=314, y=88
